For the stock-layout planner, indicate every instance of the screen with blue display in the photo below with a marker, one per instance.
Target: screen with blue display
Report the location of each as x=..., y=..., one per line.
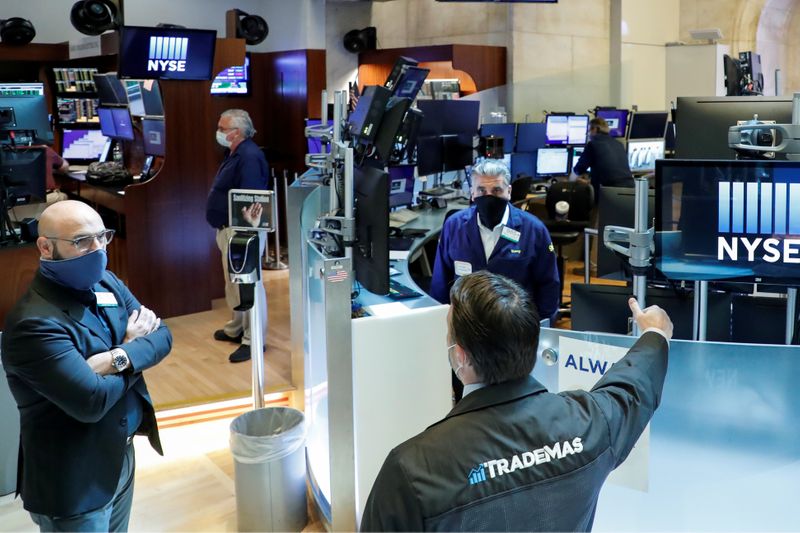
x=115, y=122
x=507, y=131
x=162, y=53
x=531, y=136
x=566, y=129
x=733, y=220
x=522, y=164
x=617, y=120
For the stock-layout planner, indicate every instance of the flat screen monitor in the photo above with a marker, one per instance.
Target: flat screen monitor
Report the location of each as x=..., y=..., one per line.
x=154, y=137
x=617, y=121
x=531, y=136
x=26, y=113
x=115, y=122
x=24, y=173
x=457, y=152
x=401, y=185
x=110, y=90
x=649, y=125
x=449, y=117
x=552, y=162
x=522, y=164
x=642, y=155
x=233, y=80
x=133, y=88
x=566, y=129
x=429, y=155
x=577, y=152
x=166, y=53
x=701, y=123
x=371, y=251
x=508, y=132
x=616, y=206
x=22, y=89
x=79, y=145
x=728, y=220
x=410, y=82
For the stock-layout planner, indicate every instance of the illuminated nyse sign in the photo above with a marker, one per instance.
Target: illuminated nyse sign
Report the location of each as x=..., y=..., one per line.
x=755, y=221
x=167, y=54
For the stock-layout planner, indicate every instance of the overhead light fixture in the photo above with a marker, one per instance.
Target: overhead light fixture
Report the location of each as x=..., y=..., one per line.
x=712, y=35
x=252, y=28
x=16, y=31
x=93, y=17
x=356, y=41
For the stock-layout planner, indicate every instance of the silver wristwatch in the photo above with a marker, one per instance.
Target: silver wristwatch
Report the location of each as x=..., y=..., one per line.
x=119, y=359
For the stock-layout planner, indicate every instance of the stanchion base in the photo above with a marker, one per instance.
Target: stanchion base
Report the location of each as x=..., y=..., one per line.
x=276, y=265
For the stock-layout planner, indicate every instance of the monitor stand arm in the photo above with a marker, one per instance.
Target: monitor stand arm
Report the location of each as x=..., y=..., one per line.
x=7, y=234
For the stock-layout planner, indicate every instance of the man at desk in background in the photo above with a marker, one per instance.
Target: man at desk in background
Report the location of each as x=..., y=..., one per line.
x=74, y=350
x=512, y=456
x=494, y=235
x=244, y=167
x=606, y=157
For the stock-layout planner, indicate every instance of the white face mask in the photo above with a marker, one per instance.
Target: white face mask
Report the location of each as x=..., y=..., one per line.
x=449, y=360
x=222, y=139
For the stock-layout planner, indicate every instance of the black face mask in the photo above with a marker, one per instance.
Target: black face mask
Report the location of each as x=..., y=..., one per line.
x=491, y=209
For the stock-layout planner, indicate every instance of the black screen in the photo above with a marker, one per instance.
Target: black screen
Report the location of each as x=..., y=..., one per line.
x=701, y=123
x=23, y=173
x=160, y=53
x=728, y=220
x=371, y=252
x=110, y=90
x=25, y=113
x=649, y=125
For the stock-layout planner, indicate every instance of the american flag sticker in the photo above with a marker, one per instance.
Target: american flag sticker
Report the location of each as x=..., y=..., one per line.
x=335, y=276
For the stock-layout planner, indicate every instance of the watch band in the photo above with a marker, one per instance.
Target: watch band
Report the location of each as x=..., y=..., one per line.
x=119, y=359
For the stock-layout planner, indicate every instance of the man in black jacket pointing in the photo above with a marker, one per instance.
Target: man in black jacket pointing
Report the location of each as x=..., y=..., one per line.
x=512, y=456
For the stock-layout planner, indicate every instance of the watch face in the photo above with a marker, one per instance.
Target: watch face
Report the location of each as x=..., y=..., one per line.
x=119, y=362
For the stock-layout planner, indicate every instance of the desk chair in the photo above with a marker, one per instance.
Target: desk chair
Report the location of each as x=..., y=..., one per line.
x=580, y=196
x=520, y=188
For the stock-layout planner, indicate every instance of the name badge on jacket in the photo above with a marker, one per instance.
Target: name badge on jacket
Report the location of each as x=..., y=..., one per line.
x=106, y=299
x=510, y=234
x=462, y=268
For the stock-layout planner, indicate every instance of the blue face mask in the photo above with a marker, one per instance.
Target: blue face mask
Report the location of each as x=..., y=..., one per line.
x=79, y=273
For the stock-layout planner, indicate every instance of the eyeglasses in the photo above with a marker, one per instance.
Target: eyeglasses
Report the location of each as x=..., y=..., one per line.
x=84, y=244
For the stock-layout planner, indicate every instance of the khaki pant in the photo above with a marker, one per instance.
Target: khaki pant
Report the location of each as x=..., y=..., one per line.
x=240, y=323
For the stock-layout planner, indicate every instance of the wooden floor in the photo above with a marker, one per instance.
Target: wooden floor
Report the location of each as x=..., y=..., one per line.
x=198, y=371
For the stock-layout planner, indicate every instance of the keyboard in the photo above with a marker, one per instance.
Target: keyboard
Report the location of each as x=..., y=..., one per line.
x=398, y=291
x=402, y=216
x=438, y=191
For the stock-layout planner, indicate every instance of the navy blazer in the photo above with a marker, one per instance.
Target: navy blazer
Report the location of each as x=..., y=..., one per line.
x=531, y=262
x=74, y=422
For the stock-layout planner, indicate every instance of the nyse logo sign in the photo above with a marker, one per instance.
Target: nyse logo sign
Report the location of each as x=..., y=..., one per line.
x=759, y=214
x=167, y=54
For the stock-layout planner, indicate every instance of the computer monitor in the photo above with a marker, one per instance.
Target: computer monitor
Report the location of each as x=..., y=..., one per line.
x=151, y=96
x=429, y=155
x=401, y=185
x=371, y=251
x=110, y=90
x=617, y=120
x=81, y=146
x=522, y=164
x=603, y=308
x=233, y=80
x=23, y=174
x=648, y=125
x=531, y=136
x=642, y=155
x=133, y=88
x=702, y=123
x=410, y=82
x=728, y=220
x=115, y=122
x=552, y=162
x=25, y=113
x=22, y=89
x=577, y=152
x=507, y=131
x=154, y=137
x=457, y=152
x=449, y=117
x=168, y=53
x=566, y=129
